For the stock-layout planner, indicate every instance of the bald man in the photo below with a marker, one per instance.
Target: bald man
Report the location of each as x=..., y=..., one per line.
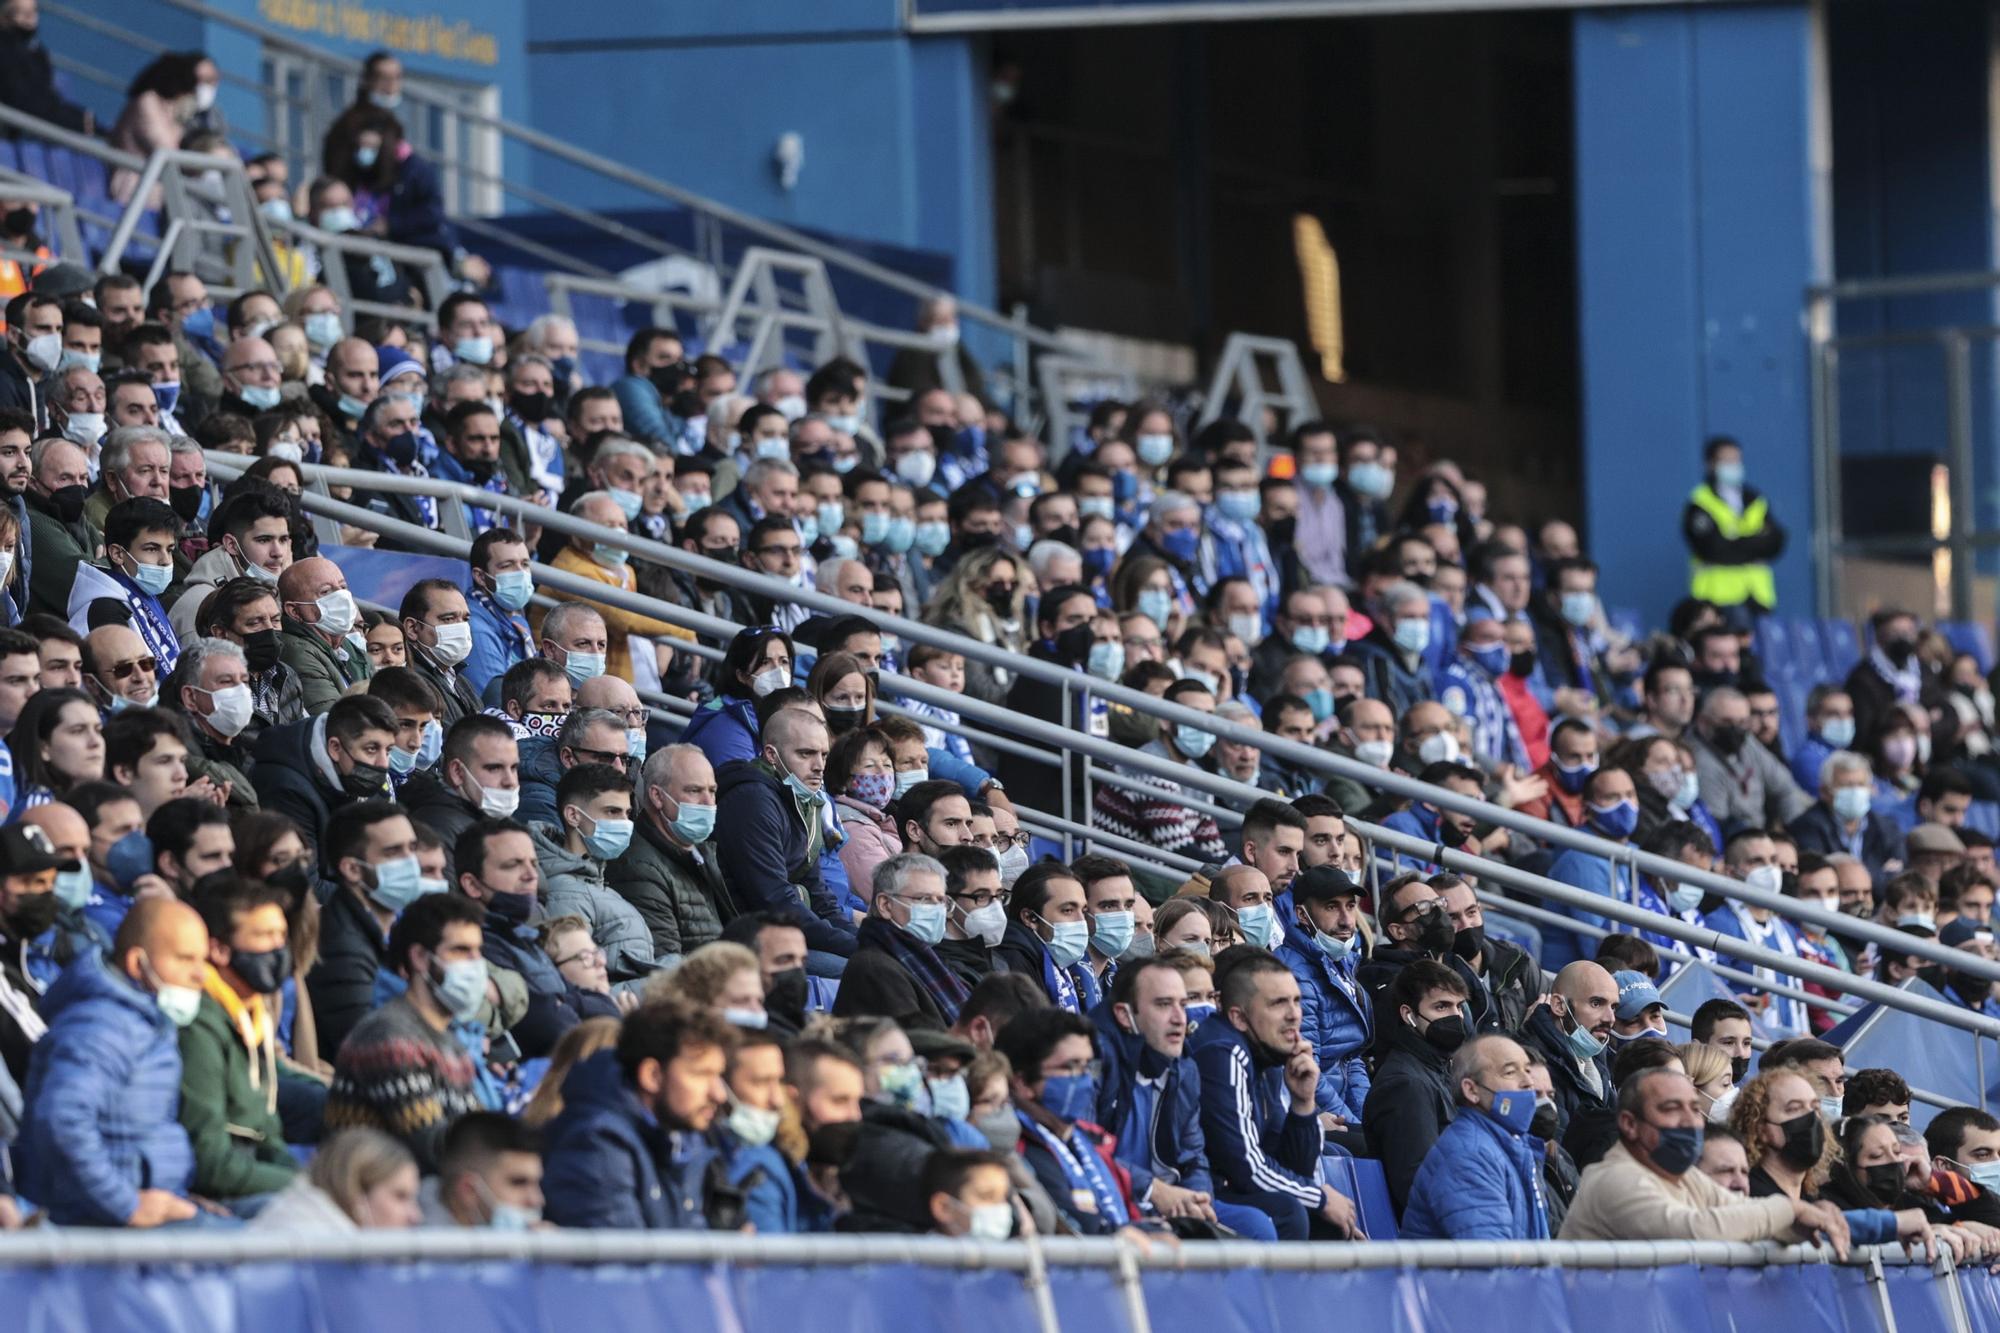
x=320, y=614
x=604, y=563
x=1482, y=1179
x=117, y=665
x=353, y=378
x=250, y=377
x=101, y=1144
x=1572, y=1032
x=618, y=696
x=769, y=819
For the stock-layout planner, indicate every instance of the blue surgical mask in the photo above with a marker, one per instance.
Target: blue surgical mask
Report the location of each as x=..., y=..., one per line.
x=629, y=502
x=1199, y=1013
x=1572, y=777
x=323, y=330
x=1837, y=732
x=398, y=883
x=926, y=922
x=635, y=744
x=1729, y=476
x=1181, y=543
x=73, y=887
x=874, y=528
x=1491, y=657
x=260, y=396
x=1413, y=636
x=128, y=858
x=1106, y=660
x=1238, y=506
x=1153, y=450
x=477, y=350
x=1685, y=897
x=1321, y=702
x=1069, y=941
x=694, y=823
x=1156, y=604
x=460, y=987
x=402, y=762
x=1578, y=608
x=609, y=556
x=932, y=537
x=152, y=579
x=773, y=447
x=832, y=516
x=1111, y=933
x=608, y=839
x=432, y=744
x=1070, y=1096
x=1314, y=639
x=513, y=588
x=1616, y=820
x=1334, y=947
x=1259, y=925
x=902, y=535
x=1851, y=803
x=1584, y=1044
x=909, y=778
x=199, y=323
x=1192, y=741
x=1371, y=480
x=1096, y=506
x=950, y=1098
x=1318, y=475
x=580, y=667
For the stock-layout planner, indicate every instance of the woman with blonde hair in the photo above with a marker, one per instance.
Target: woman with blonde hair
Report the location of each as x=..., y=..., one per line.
x=571, y=1049
x=981, y=599
x=1792, y=1151
x=359, y=1178
x=721, y=976
x=1710, y=1070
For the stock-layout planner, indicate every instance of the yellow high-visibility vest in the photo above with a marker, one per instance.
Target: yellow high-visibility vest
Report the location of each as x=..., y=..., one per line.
x=1732, y=585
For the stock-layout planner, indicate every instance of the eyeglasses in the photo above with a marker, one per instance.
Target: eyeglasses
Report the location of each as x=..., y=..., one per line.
x=1429, y=907
x=792, y=551
x=593, y=954
x=979, y=898
x=617, y=761
x=1093, y=1068
x=122, y=670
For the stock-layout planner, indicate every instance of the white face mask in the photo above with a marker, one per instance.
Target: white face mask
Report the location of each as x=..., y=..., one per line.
x=498, y=802
x=232, y=709
x=44, y=350
x=985, y=924
x=454, y=643
x=336, y=612
x=84, y=428
x=770, y=682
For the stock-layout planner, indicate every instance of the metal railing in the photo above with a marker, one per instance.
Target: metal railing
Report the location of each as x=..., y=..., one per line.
x=57, y=223
x=1071, y=743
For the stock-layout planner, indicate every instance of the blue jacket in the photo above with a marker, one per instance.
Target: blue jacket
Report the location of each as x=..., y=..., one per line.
x=103, y=1098
x=1338, y=1021
x=1582, y=870
x=517, y=947
x=767, y=858
x=1480, y=1182
x=1258, y=1151
x=610, y=1164
x=1415, y=820
x=1807, y=756
x=498, y=636
x=770, y=1196
x=1171, y=1148
x=948, y=767
x=645, y=415
x=725, y=730
x=541, y=772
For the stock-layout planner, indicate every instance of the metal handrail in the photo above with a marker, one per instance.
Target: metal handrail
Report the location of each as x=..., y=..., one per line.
x=1085, y=687
x=59, y=213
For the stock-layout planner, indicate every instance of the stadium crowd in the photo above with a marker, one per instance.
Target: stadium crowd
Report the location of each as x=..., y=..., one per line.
x=316, y=918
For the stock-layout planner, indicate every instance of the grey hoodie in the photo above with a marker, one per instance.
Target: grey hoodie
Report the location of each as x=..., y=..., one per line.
x=573, y=885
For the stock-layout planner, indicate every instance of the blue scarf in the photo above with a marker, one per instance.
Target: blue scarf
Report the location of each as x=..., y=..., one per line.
x=1060, y=987
x=151, y=622
x=1083, y=1171
x=943, y=985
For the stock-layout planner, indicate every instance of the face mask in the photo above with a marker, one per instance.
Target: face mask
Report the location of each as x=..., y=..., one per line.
x=1068, y=943
x=1512, y=1108
x=1156, y=604
x=454, y=643
x=770, y=682
x=926, y=922
x=609, y=556
x=365, y=155
x=513, y=588
x=323, y=330
x=754, y=1019
x=1579, y=608
x=44, y=350
x=1728, y=739
x=1884, y=1181
x=1850, y=804
x=1837, y=732
x=580, y=667
x=1334, y=947
x=498, y=802
x=1111, y=933
x=990, y=1221
x=932, y=537
x=1013, y=864
x=1986, y=1175
x=1768, y=878
x=1678, y=1149
x=1001, y=1128
x=476, y=350
x=1375, y=754
x=1548, y=1120
x=1445, y=1034
x=609, y=838
x=1248, y=627
x=1259, y=925
x=1805, y=1140
x=1106, y=660
x=33, y=914
x=1831, y=1110
x=629, y=502
x=260, y=396
x=460, y=987
x=917, y=467
x=1921, y=920
x=130, y=857
x=152, y=579
x=339, y=218
x=909, y=778
x=1686, y=898
x=872, y=788
x=1070, y=1097
x=73, y=887
x=1413, y=636
x=1617, y=820
x=1584, y=1044
x=1314, y=639
x=336, y=612
x=752, y=1125
x=1181, y=544
x=986, y=924
x=232, y=709
x=1729, y=476
x=900, y=1083
x=262, y=972
x=181, y=1004
x=84, y=429
x=1718, y=1111
x=695, y=823
x=1203, y=678
x=1153, y=450
x=1521, y=665
x=398, y=883
x=1238, y=506
x=402, y=762
x=1491, y=657
x=1687, y=794
x=1192, y=741
x=1319, y=476
x=1439, y=747
x=1572, y=777
x=71, y=359
x=1096, y=506
x=1371, y=480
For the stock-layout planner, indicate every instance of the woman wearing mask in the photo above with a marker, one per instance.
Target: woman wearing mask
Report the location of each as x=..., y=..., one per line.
x=397, y=195
x=981, y=598
x=1149, y=429
x=316, y=310
x=758, y=662
x=1708, y=1068
x=1793, y=1153
x=360, y=1179
x=159, y=104
x=862, y=777
x=1184, y=923
x=533, y=413
x=1894, y=749
x=844, y=690
x=1872, y=1173
x=1144, y=585
x=1665, y=789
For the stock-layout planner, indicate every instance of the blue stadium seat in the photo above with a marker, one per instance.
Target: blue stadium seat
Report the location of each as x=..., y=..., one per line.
x=1984, y=817
x=1968, y=636
x=34, y=159
x=1843, y=646
x=1364, y=1183
x=1627, y=621
x=1777, y=649
x=10, y=154
x=522, y=295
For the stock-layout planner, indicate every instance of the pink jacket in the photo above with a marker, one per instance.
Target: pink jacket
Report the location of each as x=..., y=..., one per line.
x=871, y=840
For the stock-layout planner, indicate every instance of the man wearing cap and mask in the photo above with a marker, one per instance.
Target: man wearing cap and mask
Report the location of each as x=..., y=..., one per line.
x=100, y=1144
x=1323, y=945
x=1483, y=1178
x=389, y=441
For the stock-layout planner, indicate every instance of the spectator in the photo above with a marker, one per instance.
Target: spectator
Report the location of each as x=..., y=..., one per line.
x=229, y=1053
x=1055, y=1093
x=1410, y=1100
x=312, y=767
x=1258, y=1114
x=1571, y=1033
x=402, y=1070
x=1323, y=947
x=494, y=865
x=490, y=1173
x=757, y=664
x=369, y=853
x=1741, y=784
x=1510, y=976
x=245, y=612
x=671, y=870
x=628, y=1149
x=100, y=1144
x=594, y=806
x=594, y=736
x=895, y=970
x=1842, y=820
x=1723, y=1159
x=1046, y=933
x=254, y=541
x=1156, y=813
x=604, y=562
x=1482, y=1179
x=1752, y=857
x=501, y=587
x=361, y=1178
x=320, y=616
x=27, y=76
x=1416, y=927
x=437, y=624
x=479, y=777
x=1646, y=1188
x=1792, y=1152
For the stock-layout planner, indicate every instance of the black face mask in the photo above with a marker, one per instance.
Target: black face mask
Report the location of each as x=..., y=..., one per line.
x=66, y=502
x=1002, y=602
x=1704, y=681
x=1547, y=1121
x=1469, y=943
x=1446, y=1034
x=531, y=406
x=260, y=650
x=186, y=501
x=1450, y=834
x=1434, y=933
x=1884, y=1181
x=968, y=542
x=1522, y=664
x=786, y=995
x=1739, y=1069
x=1805, y=1140
x=32, y=915
x=1900, y=651
x=1067, y=535
x=840, y=721
x=1728, y=739
x=479, y=469
x=667, y=379
x=368, y=782
x=262, y=972
x=290, y=878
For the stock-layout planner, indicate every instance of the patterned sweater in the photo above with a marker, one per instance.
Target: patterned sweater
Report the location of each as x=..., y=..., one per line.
x=398, y=1074
x=1156, y=816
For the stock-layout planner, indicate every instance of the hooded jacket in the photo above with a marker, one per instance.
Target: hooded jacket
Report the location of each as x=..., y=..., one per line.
x=215, y=568
x=677, y=892
x=1170, y=1146
x=1336, y=1016
x=611, y=1164
x=102, y=1100
x=1481, y=1181
x=1409, y=1104
x=541, y=773
x=228, y=1107
x=725, y=729
x=291, y=780
x=770, y=856
x=573, y=884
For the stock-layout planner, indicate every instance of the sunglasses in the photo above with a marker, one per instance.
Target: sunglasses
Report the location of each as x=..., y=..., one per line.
x=122, y=670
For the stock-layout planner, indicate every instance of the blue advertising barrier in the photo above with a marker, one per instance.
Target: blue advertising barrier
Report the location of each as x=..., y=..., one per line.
x=389, y=1282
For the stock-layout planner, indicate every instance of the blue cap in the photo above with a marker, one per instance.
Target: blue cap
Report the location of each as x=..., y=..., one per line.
x=394, y=361
x=1636, y=994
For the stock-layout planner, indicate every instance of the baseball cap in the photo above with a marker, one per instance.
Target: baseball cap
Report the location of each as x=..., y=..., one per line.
x=1323, y=883
x=1636, y=994
x=25, y=849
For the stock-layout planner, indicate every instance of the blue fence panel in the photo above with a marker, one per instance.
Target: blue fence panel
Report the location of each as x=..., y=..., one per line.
x=1919, y=1300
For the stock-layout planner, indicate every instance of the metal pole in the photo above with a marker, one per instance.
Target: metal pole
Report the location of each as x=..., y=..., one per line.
x=1958, y=396
x=1068, y=791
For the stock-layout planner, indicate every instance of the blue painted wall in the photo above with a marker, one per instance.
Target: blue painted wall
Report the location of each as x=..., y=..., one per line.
x=1695, y=246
